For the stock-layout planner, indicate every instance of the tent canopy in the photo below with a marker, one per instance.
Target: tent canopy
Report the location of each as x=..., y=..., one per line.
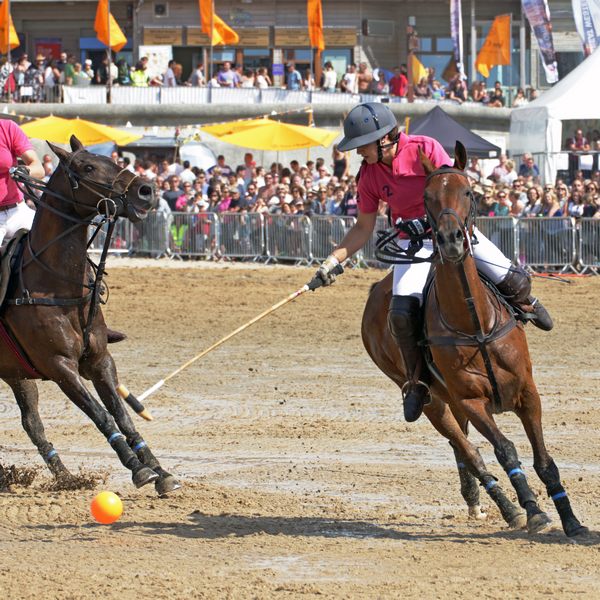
x=443, y=128
x=537, y=127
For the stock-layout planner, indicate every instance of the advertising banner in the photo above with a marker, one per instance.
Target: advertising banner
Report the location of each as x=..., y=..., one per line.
x=538, y=15
x=587, y=20
x=457, y=34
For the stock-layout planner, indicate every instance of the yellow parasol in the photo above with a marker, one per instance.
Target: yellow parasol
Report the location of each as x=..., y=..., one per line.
x=266, y=134
x=59, y=131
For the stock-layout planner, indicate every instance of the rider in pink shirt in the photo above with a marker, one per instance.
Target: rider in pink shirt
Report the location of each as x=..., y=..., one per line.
x=391, y=171
x=14, y=144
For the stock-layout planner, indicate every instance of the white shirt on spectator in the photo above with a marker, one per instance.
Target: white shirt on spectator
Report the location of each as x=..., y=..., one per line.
x=329, y=80
x=261, y=82
x=351, y=83
x=187, y=176
x=169, y=78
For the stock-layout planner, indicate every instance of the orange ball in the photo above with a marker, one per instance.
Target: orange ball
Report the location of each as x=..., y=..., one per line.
x=106, y=507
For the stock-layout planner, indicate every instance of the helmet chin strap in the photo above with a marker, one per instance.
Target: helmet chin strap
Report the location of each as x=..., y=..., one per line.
x=381, y=146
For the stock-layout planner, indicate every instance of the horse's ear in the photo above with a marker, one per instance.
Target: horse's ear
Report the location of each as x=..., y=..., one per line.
x=75, y=144
x=428, y=166
x=63, y=155
x=460, y=156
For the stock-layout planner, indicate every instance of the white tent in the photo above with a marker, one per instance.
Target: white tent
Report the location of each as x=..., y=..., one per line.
x=537, y=128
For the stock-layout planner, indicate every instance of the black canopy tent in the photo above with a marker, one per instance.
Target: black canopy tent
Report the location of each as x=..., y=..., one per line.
x=443, y=128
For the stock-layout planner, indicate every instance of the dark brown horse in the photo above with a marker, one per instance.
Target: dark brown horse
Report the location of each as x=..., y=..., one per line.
x=480, y=352
x=47, y=308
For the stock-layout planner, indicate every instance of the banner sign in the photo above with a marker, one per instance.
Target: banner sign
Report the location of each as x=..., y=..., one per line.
x=538, y=15
x=457, y=34
x=587, y=21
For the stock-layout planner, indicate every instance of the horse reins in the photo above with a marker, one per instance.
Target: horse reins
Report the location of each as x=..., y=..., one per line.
x=479, y=339
x=28, y=185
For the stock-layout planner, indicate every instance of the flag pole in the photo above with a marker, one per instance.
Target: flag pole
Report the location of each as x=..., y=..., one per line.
x=109, y=56
x=212, y=31
x=8, y=52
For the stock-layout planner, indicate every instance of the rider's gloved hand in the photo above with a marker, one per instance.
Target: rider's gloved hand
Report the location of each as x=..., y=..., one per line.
x=413, y=228
x=326, y=273
x=19, y=171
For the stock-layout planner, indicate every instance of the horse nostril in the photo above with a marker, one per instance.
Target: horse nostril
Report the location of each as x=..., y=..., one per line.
x=144, y=191
x=459, y=235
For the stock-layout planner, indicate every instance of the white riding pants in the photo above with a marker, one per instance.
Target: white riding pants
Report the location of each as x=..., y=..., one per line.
x=409, y=280
x=13, y=219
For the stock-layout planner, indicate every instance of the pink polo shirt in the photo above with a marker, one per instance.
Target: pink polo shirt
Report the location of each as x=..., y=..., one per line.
x=402, y=184
x=13, y=142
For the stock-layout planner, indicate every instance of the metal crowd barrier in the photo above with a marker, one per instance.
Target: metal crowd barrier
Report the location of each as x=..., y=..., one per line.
x=548, y=243
x=589, y=245
x=288, y=237
x=552, y=243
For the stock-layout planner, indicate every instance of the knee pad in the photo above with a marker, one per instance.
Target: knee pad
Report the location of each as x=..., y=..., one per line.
x=404, y=316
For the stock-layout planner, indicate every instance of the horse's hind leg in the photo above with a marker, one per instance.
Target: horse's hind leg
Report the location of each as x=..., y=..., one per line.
x=545, y=467
x=471, y=467
x=506, y=453
x=26, y=394
x=105, y=382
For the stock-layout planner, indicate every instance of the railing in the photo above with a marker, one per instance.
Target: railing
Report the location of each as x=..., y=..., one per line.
x=551, y=243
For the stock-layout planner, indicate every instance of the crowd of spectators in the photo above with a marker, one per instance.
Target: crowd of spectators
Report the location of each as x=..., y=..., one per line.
x=40, y=80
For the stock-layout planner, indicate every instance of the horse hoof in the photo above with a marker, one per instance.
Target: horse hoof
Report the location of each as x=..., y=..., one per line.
x=538, y=523
x=143, y=477
x=580, y=531
x=476, y=513
x=518, y=521
x=164, y=485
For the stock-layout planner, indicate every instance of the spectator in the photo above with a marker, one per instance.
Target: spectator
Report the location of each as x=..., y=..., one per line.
x=399, y=82
x=169, y=79
x=457, y=90
x=511, y=174
x=550, y=206
x=437, y=91
x=534, y=202
x=224, y=168
x=349, y=83
x=262, y=78
x=340, y=163
x=335, y=204
x=422, y=89
x=329, y=78
x=68, y=70
x=293, y=79
x=80, y=77
x=187, y=175
x=520, y=99
x=518, y=186
x=501, y=207
x=308, y=82
x=51, y=78
x=123, y=72
x=197, y=77
x=350, y=203
x=248, y=79
x=497, y=96
x=87, y=68
x=139, y=76
x=528, y=168
x=500, y=170
x=173, y=193
x=479, y=92
x=364, y=79
x=473, y=170
x=227, y=77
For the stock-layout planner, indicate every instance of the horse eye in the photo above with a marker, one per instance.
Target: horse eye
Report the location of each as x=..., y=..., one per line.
x=88, y=168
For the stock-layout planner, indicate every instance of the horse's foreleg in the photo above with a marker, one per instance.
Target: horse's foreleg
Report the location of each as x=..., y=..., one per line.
x=105, y=381
x=26, y=394
x=545, y=467
x=70, y=383
x=471, y=467
x=506, y=453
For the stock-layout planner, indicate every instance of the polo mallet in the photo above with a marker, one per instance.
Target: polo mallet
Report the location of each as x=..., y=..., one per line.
x=136, y=403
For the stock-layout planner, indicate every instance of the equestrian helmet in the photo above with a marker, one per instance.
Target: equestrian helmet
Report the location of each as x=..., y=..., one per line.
x=366, y=123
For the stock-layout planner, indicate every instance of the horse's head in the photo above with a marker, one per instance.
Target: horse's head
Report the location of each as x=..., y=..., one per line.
x=449, y=205
x=100, y=186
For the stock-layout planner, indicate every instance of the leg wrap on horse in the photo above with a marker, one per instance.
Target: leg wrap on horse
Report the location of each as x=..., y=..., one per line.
x=516, y=288
x=404, y=323
x=508, y=458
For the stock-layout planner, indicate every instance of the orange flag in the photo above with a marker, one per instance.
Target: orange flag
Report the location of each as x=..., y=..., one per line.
x=314, y=11
x=496, y=48
x=107, y=29
x=8, y=35
x=222, y=34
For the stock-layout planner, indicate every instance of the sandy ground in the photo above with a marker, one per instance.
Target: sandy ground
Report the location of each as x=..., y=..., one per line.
x=300, y=477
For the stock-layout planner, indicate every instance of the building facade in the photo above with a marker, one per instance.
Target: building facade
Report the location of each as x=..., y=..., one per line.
x=274, y=32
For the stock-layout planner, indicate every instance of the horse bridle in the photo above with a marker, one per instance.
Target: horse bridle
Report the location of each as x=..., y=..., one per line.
x=466, y=224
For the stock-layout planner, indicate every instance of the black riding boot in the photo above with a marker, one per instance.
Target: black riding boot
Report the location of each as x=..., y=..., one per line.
x=405, y=323
x=516, y=288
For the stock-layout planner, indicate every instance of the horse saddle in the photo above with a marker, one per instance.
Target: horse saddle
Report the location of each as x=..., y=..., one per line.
x=9, y=254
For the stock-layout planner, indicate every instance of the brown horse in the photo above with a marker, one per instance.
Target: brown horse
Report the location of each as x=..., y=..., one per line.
x=480, y=353
x=47, y=308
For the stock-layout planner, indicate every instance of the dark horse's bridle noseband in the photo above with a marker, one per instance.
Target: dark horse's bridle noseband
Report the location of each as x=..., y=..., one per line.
x=460, y=338
x=110, y=205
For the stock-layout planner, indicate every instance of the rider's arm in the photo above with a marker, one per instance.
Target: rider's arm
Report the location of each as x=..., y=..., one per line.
x=357, y=237
x=33, y=163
